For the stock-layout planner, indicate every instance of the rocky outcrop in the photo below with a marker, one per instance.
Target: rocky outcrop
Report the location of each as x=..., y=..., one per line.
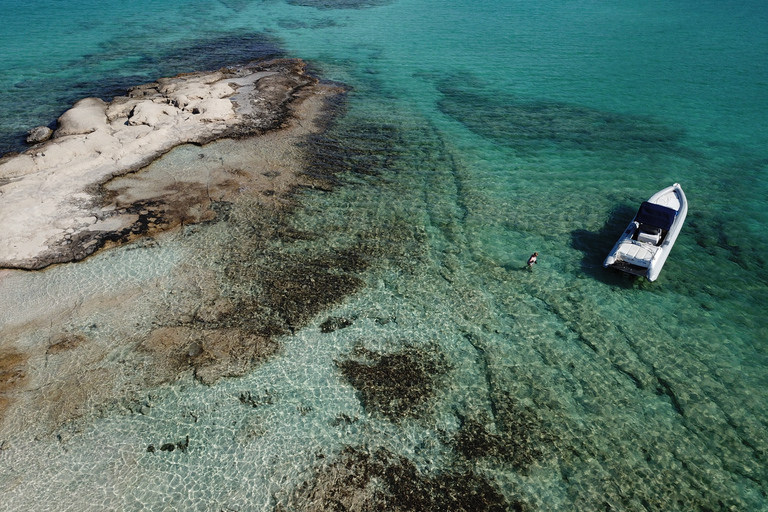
x=39, y=134
x=54, y=203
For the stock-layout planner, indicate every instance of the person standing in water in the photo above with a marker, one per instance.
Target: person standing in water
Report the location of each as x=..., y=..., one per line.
x=532, y=260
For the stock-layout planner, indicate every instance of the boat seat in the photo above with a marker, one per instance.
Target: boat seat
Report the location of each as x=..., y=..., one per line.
x=649, y=234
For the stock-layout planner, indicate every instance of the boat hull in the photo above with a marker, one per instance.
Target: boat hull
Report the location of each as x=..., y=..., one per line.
x=644, y=246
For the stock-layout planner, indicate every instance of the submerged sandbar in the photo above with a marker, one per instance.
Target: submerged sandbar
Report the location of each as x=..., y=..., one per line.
x=60, y=200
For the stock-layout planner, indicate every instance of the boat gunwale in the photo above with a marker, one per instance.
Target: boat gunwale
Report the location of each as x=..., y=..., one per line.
x=660, y=252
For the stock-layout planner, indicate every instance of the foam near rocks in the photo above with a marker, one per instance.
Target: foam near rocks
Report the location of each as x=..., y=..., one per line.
x=52, y=205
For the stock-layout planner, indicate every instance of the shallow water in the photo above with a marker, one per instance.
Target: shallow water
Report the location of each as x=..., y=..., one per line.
x=415, y=343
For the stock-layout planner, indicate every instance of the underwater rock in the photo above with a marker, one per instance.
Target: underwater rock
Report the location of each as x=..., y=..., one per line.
x=300, y=290
x=65, y=342
x=360, y=481
x=56, y=206
x=396, y=385
x=340, y=4
x=531, y=124
x=13, y=376
x=334, y=323
x=266, y=398
x=182, y=446
x=518, y=440
x=343, y=419
x=473, y=440
x=209, y=353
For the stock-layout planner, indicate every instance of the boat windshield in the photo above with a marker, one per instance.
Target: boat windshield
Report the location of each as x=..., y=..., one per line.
x=655, y=215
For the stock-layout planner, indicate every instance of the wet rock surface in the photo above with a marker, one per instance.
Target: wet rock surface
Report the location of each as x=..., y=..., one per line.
x=39, y=134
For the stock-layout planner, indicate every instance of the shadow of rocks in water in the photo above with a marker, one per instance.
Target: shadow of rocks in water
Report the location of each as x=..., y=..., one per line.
x=397, y=385
x=359, y=481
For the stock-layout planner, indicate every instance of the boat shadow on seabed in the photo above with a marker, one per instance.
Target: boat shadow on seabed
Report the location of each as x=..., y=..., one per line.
x=595, y=245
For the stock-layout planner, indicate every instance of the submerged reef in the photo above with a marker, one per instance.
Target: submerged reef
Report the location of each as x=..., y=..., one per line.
x=360, y=480
x=257, y=262
x=519, y=438
x=528, y=125
x=211, y=353
x=12, y=374
x=397, y=385
x=340, y=4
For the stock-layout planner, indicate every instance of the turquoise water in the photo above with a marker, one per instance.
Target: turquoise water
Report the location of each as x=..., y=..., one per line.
x=474, y=133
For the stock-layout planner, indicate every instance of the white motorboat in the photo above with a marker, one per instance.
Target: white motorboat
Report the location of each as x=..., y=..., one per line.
x=645, y=244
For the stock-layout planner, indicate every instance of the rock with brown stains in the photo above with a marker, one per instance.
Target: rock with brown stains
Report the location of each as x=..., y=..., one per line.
x=55, y=199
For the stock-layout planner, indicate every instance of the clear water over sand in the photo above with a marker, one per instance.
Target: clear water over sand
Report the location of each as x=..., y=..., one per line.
x=473, y=135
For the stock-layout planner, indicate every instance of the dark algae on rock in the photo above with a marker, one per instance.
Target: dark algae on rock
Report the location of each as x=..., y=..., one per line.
x=363, y=481
x=397, y=385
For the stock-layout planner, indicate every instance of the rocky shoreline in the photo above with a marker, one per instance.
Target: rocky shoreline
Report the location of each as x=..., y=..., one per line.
x=229, y=141
x=59, y=201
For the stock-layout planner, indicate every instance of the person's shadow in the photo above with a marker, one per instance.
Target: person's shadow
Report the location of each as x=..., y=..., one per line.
x=596, y=245
x=518, y=267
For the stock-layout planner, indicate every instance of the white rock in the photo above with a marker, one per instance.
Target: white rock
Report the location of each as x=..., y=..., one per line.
x=221, y=90
x=152, y=114
x=88, y=115
x=181, y=101
x=47, y=192
x=215, y=109
x=18, y=166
